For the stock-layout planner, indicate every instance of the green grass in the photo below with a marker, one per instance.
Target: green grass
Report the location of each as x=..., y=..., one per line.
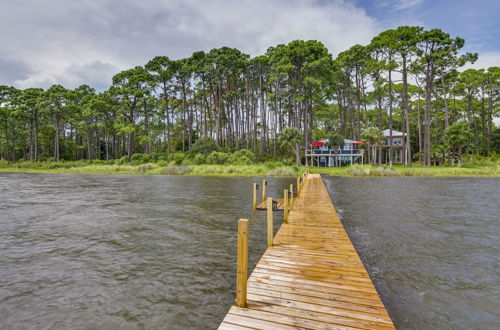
x=487, y=168
x=154, y=169
x=416, y=170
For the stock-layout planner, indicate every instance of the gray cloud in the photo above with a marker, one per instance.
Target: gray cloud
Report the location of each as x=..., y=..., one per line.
x=76, y=42
x=12, y=70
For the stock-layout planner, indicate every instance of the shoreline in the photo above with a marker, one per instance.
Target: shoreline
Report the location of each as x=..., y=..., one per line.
x=261, y=170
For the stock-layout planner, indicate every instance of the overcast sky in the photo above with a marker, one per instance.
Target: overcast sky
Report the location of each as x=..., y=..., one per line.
x=74, y=42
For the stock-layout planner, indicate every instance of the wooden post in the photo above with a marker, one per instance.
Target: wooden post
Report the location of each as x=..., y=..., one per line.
x=242, y=264
x=291, y=196
x=254, y=196
x=285, y=206
x=264, y=185
x=270, y=227
x=298, y=187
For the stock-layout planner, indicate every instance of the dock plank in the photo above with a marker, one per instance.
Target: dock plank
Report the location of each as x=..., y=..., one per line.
x=312, y=277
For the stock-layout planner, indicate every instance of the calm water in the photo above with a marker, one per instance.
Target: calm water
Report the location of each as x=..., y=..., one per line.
x=431, y=245
x=90, y=251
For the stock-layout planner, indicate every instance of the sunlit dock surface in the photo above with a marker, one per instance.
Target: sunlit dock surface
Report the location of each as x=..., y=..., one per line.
x=312, y=276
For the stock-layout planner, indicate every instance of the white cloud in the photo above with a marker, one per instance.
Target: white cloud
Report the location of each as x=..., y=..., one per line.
x=484, y=61
x=406, y=4
x=396, y=5
x=76, y=42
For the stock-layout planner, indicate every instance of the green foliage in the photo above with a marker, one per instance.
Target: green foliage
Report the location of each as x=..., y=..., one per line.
x=199, y=159
x=270, y=103
x=336, y=140
x=495, y=141
x=217, y=158
x=122, y=160
x=458, y=135
x=177, y=157
x=372, y=136
x=205, y=146
x=141, y=159
x=241, y=157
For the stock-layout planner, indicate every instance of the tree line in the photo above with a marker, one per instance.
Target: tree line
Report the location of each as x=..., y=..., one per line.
x=406, y=79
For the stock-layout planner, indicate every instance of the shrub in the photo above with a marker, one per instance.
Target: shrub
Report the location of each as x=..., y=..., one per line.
x=141, y=159
x=156, y=156
x=121, y=161
x=217, y=158
x=162, y=163
x=188, y=161
x=177, y=157
x=199, y=159
x=239, y=160
x=242, y=157
x=136, y=158
x=204, y=145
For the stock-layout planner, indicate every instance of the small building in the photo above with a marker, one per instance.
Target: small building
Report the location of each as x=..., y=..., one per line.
x=398, y=144
x=323, y=155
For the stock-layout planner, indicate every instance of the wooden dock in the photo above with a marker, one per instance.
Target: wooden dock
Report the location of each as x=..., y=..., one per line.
x=312, y=277
x=280, y=205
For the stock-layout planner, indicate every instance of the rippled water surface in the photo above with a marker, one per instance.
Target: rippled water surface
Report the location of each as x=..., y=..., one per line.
x=431, y=245
x=91, y=251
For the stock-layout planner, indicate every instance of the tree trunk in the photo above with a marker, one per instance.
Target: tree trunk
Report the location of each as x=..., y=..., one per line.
x=427, y=120
x=445, y=98
x=390, y=117
x=406, y=111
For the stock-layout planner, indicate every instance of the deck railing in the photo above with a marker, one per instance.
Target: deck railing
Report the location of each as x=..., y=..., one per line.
x=320, y=152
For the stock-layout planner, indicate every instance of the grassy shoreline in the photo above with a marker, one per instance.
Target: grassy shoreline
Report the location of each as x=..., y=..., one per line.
x=264, y=170
x=155, y=169
x=416, y=170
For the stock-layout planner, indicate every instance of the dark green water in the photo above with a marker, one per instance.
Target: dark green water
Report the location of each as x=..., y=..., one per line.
x=122, y=252
x=431, y=245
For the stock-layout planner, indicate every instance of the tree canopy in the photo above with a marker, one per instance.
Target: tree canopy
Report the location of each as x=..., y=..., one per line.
x=405, y=79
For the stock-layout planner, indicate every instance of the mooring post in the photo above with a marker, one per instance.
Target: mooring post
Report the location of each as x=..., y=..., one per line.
x=242, y=264
x=254, y=196
x=264, y=185
x=291, y=196
x=270, y=226
x=285, y=206
x=298, y=186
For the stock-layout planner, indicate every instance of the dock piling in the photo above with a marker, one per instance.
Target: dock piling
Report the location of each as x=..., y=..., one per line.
x=264, y=186
x=242, y=264
x=285, y=206
x=270, y=227
x=254, y=196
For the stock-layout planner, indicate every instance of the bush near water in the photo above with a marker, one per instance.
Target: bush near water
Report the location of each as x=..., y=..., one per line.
x=238, y=163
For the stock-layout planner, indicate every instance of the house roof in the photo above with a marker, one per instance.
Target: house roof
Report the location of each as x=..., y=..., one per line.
x=346, y=141
x=394, y=133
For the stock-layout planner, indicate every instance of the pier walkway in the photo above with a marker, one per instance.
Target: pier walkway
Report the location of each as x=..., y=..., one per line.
x=312, y=277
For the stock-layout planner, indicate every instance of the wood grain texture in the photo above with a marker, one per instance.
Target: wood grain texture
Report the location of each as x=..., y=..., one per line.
x=312, y=277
